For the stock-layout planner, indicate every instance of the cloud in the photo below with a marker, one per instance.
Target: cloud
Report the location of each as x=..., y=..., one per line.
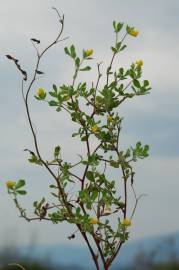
x=153, y=119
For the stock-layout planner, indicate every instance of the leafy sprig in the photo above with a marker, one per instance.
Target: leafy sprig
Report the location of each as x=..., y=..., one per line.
x=97, y=200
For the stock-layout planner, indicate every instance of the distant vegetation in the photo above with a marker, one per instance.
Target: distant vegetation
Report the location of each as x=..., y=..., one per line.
x=29, y=265
x=144, y=260
x=33, y=266
x=38, y=266
x=162, y=266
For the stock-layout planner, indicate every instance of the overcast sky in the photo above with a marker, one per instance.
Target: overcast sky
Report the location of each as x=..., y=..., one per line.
x=153, y=119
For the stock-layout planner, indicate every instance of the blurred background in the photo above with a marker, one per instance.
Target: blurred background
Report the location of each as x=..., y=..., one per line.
x=153, y=119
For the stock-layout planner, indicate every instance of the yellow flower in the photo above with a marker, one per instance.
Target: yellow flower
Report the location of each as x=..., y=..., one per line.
x=126, y=222
x=66, y=98
x=88, y=52
x=93, y=221
x=109, y=118
x=10, y=184
x=139, y=63
x=133, y=32
x=41, y=93
x=94, y=128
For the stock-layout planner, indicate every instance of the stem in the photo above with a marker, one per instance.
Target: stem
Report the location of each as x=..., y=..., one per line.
x=99, y=76
x=116, y=245
x=113, y=56
x=109, y=68
x=115, y=254
x=94, y=256
x=100, y=252
x=87, y=166
x=60, y=188
x=76, y=72
x=125, y=192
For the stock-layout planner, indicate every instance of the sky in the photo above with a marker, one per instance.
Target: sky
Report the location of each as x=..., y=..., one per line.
x=153, y=119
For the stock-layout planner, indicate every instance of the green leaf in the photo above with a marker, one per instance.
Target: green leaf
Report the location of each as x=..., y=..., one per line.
x=94, y=195
x=72, y=51
x=35, y=204
x=78, y=211
x=54, y=194
x=90, y=175
x=88, y=205
x=41, y=202
x=41, y=98
x=129, y=29
x=21, y=192
x=20, y=184
x=114, y=164
x=52, y=186
x=84, y=138
x=53, y=94
x=119, y=27
x=77, y=62
x=118, y=45
x=114, y=25
x=58, y=109
x=87, y=68
x=139, y=151
x=37, y=98
x=146, y=83
x=123, y=47
x=55, y=88
x=138, y=145
x=34, y=159
x=66, y=51
x=136, y=83
x=53, y=103
x=146, y=150
x=57, y=151
x=114, y=49
x=75, y=134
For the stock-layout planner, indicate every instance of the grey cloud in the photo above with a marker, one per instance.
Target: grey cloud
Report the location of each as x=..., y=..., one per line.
x=152, y=119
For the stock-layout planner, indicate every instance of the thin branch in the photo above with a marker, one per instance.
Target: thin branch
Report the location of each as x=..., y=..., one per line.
x=35, y=139
x=136, y=201
x=110, y=66
x=99, y=76
x=115, y=254
x=113, y=56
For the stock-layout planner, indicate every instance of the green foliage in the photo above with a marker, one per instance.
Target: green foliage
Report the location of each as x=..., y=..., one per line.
x=16, y=190
x=97, y=198
x=35, y=160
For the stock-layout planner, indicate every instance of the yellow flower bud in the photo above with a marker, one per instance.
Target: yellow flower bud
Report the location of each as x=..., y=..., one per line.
x=41, y=93
x=126, y=222
x=88, y=52
x=66, y=98
x=139, y=63
x=10, y=184
x=93, y=221
x=109, y=118
x=94, y=129
x=133, y=33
